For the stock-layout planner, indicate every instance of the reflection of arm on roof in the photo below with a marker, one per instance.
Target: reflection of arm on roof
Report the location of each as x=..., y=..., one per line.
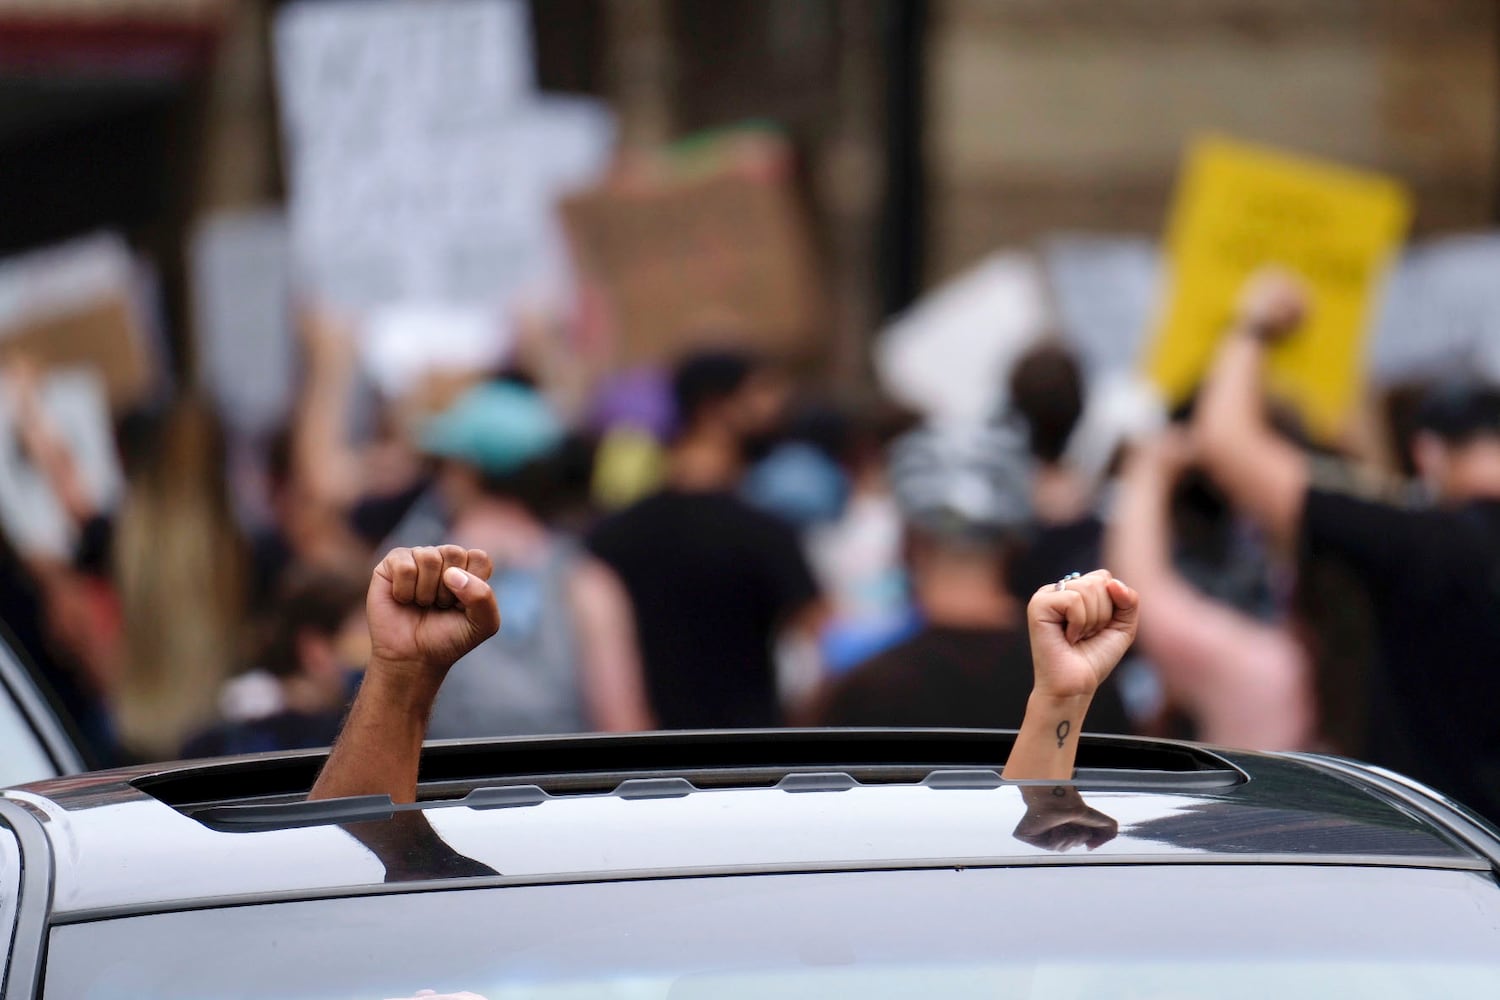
x=411, y=850
x=1244, y=682
x=1058, y=819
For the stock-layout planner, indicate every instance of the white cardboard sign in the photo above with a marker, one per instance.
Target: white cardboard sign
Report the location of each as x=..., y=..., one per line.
x=424, y=168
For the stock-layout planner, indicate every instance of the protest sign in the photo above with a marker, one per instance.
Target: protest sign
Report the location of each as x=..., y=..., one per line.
x=74, y=305
x=362, y=74
x=719, y=252
x=423, y=166
x=242, y=311
x=406, y=344
x=77, y=409
x=949, y=356
x=1104, y=291
x=1239, y=207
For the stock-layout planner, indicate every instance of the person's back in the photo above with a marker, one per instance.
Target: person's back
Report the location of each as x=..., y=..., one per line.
x=525, y=679
x=1434, y=586
x=712, y=581
x=964, y=494
x=1430, y=574
x=950, y=676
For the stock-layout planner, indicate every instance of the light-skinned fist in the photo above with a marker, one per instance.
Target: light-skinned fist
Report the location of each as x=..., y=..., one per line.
x=427, y=607
x=1273, y=304
x=1079, y=633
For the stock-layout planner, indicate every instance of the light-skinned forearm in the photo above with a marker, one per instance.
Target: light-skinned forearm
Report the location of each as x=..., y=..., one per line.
x=324, y=458
x=1263, y=475
x=380, y=747
x=1231, y=406
x=1137, y=544
x=1047, y=744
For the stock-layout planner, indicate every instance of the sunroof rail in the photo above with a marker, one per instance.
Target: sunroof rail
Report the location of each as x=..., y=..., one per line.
x=735, y=758
x=262, y=816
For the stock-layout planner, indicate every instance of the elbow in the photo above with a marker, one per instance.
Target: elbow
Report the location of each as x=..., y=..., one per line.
x=1212, y=438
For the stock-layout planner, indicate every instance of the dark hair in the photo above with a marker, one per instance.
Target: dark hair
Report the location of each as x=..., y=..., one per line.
x=1046, y=389
x=1458, y=412
x=309, y=599
x=707, y=377
x=537, y=486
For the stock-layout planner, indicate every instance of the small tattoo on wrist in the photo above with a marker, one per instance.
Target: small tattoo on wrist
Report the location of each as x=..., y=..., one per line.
x=1063, y=729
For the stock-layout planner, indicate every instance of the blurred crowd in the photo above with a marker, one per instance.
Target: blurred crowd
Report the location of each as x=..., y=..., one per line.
x=718, y=543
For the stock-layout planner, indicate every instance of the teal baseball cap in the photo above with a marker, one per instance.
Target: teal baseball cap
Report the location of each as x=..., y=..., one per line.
x=497, y=427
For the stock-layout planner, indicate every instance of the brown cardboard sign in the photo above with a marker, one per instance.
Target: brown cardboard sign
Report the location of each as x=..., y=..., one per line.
x=726, y=252
x=74, y=305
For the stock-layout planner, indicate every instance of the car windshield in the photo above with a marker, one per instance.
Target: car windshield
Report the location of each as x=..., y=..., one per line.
x=1059, y=932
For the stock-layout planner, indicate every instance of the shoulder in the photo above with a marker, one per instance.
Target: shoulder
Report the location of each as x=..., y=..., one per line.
x=905, y=657
x=593, y=585
x=762, y=527
x=623, y=525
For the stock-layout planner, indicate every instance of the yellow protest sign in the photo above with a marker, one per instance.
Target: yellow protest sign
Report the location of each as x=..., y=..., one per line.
x=1239, y=207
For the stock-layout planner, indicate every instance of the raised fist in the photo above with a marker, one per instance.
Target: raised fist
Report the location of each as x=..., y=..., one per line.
x=427, y=607
x=1273, y=303
x=1080, y=627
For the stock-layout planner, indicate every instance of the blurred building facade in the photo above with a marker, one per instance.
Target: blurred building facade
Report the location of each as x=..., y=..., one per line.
x=930, y=133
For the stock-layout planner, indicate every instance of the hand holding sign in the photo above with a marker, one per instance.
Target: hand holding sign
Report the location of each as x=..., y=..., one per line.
x=1240, y=208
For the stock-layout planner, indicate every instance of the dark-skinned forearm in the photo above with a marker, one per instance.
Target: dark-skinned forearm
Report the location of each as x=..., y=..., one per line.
x=381, y=744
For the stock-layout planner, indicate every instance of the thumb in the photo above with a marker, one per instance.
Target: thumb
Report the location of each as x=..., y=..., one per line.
x=477, y=600
x=1127, y=606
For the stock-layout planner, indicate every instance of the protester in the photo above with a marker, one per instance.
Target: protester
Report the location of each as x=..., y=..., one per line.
x=316, y=645
x=62, y=608
x=857, y=556
x=1046, y=393
x=30, y=633
x=1244, y=682
x=180, y=567
x=714, y=582
x=965, y=493
x=1429, y=571
x=430, y=607
x=566, y=657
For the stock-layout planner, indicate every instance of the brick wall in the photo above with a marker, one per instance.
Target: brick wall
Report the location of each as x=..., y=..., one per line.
x=1049, y=114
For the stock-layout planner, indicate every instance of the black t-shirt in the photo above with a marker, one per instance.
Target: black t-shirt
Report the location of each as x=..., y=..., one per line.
x=1433, y=579
x=712, y=581
x=966, y=677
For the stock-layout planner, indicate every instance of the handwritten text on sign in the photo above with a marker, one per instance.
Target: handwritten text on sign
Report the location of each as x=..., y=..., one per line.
x=1239, y=207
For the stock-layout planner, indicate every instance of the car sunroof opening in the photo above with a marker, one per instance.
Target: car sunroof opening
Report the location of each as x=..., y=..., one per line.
x=700, y=761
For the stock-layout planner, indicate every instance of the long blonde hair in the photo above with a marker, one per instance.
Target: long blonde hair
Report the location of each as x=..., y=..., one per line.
x=180, y=568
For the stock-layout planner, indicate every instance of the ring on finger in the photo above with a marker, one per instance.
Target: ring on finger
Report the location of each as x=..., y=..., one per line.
x=1063, y=583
